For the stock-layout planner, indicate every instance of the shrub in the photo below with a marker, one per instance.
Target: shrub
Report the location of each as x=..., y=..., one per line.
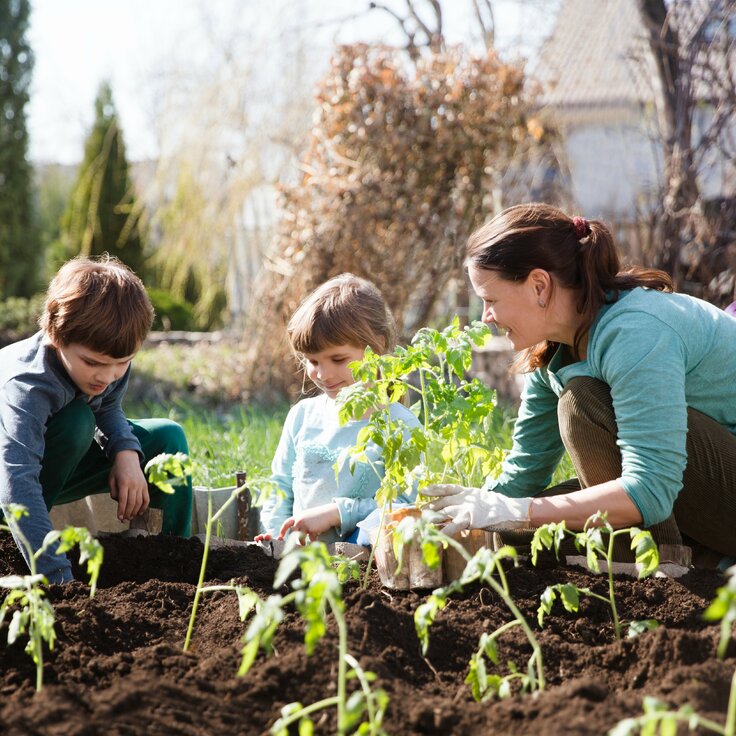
x=172, y=313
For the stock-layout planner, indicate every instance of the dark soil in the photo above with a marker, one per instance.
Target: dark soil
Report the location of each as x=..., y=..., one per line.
x=118, y=666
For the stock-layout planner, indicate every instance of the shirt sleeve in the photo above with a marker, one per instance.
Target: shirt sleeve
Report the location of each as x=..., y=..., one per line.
x=643, y=362
x=276, y=509
x=24, y=411
x=113, y=432
x=537, y=447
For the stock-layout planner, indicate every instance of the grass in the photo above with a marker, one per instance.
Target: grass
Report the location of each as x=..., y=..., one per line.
x=222, y=443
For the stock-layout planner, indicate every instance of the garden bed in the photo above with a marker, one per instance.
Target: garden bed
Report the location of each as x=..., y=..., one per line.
x=118, y=665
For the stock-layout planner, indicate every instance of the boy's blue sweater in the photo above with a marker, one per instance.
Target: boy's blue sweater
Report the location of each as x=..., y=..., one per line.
x=33, y=387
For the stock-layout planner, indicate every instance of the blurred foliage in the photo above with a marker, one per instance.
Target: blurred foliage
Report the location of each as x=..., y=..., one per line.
x=19, y=317
x=404, y=162
x=19, y=254
x=101, y=215
x=172, y=313
x=188, y=261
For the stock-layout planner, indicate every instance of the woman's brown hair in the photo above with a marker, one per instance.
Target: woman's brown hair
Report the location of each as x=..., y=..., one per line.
x=346, y=310
x=100, y=304
x=580, y=254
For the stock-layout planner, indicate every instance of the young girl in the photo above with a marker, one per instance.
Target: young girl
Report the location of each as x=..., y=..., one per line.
x=330, y=329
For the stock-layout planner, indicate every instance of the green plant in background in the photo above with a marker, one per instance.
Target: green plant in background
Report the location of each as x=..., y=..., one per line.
x=452, y=443
x=32, y=613
x=484, y=567
x=316, y=592
x=591, y=540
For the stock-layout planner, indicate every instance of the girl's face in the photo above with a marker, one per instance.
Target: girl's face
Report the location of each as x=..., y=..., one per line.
x=329, y=370
x=512, y=306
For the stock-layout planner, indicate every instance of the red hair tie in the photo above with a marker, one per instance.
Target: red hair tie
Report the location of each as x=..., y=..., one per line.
x=582, y=227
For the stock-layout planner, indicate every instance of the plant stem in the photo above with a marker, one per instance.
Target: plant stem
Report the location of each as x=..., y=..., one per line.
x=731, y=713
x=372, y=553
x=365, y=687
x=203, y=567
x=537, y=650
x=341, y=665
x=324, y=703
x=611, y=598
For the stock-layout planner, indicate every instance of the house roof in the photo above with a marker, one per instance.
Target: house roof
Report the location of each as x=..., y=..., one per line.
x=597, y=55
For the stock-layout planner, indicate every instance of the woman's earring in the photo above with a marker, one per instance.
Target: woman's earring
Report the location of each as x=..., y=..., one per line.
x=541, y=303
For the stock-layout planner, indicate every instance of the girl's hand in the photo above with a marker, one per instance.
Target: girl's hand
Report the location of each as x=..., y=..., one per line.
x=128, y=485
x=312, y=522
x=262, y=538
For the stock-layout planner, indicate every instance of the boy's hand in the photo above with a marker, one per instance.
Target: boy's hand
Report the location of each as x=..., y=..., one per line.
x=312, y=521
x=128, y=485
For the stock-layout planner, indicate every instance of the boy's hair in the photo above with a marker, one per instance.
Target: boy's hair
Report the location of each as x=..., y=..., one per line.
x=100, y=304
x=346, y=310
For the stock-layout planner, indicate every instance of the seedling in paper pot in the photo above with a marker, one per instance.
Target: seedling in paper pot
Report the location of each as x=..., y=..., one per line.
x=451, y=445
x=32, y=614
x=591, y=540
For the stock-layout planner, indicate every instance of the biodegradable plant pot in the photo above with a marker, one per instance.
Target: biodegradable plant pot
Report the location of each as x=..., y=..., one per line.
x=414, y=572
x=228, y=522
x=453, y=563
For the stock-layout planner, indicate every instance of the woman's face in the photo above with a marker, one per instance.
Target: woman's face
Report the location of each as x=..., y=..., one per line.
x=513, y=306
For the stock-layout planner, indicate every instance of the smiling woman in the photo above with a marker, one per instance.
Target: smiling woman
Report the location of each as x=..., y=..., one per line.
x=638, y=384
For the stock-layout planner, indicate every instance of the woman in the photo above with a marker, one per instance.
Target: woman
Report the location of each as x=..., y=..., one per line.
x=637, y=383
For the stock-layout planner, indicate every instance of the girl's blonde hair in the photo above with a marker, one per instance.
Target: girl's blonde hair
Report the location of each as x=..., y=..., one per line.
x=346, y=310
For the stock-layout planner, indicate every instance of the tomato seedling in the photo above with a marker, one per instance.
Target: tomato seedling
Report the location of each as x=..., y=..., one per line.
x=318, y=589
x=32, y=613
x=485, y=567
x=591, y=540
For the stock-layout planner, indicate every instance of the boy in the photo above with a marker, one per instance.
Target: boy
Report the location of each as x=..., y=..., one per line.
x=63, y=434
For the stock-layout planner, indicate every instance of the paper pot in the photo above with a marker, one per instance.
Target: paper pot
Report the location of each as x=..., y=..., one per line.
x=414, y=572
x=228, y=523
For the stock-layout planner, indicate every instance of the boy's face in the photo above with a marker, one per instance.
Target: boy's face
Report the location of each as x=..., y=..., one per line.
x=91, y=371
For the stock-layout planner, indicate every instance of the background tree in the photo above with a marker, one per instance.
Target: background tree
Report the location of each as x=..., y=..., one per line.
x=19, y=252
x=693, y=43
x=102, y=215
x=402, y=164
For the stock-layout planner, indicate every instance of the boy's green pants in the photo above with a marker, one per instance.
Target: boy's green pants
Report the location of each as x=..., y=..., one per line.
x=74, y=466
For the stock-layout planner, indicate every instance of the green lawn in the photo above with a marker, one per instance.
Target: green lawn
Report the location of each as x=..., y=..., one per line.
x=222, y=443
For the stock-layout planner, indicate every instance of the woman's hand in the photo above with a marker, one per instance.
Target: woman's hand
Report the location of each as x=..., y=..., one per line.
x=312, y=522
x=128, y=485
x=474, y=508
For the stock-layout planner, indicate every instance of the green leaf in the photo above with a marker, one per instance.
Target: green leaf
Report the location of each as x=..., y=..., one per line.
x=645, y=551
x=640, y=627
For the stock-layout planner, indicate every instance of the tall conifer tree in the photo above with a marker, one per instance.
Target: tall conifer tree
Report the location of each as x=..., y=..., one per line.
x=102, y=213
x=19, y=256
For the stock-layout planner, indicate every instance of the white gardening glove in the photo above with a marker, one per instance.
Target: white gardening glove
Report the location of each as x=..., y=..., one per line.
x=475, y=508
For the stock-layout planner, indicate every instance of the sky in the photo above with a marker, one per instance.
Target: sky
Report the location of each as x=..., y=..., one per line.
x=141, y=45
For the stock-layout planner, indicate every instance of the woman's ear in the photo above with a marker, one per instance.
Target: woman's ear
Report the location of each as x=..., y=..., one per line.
x=541, y=282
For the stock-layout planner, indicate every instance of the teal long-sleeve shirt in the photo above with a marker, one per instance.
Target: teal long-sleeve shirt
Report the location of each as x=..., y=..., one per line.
x=303, y=467
x=660, y=354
